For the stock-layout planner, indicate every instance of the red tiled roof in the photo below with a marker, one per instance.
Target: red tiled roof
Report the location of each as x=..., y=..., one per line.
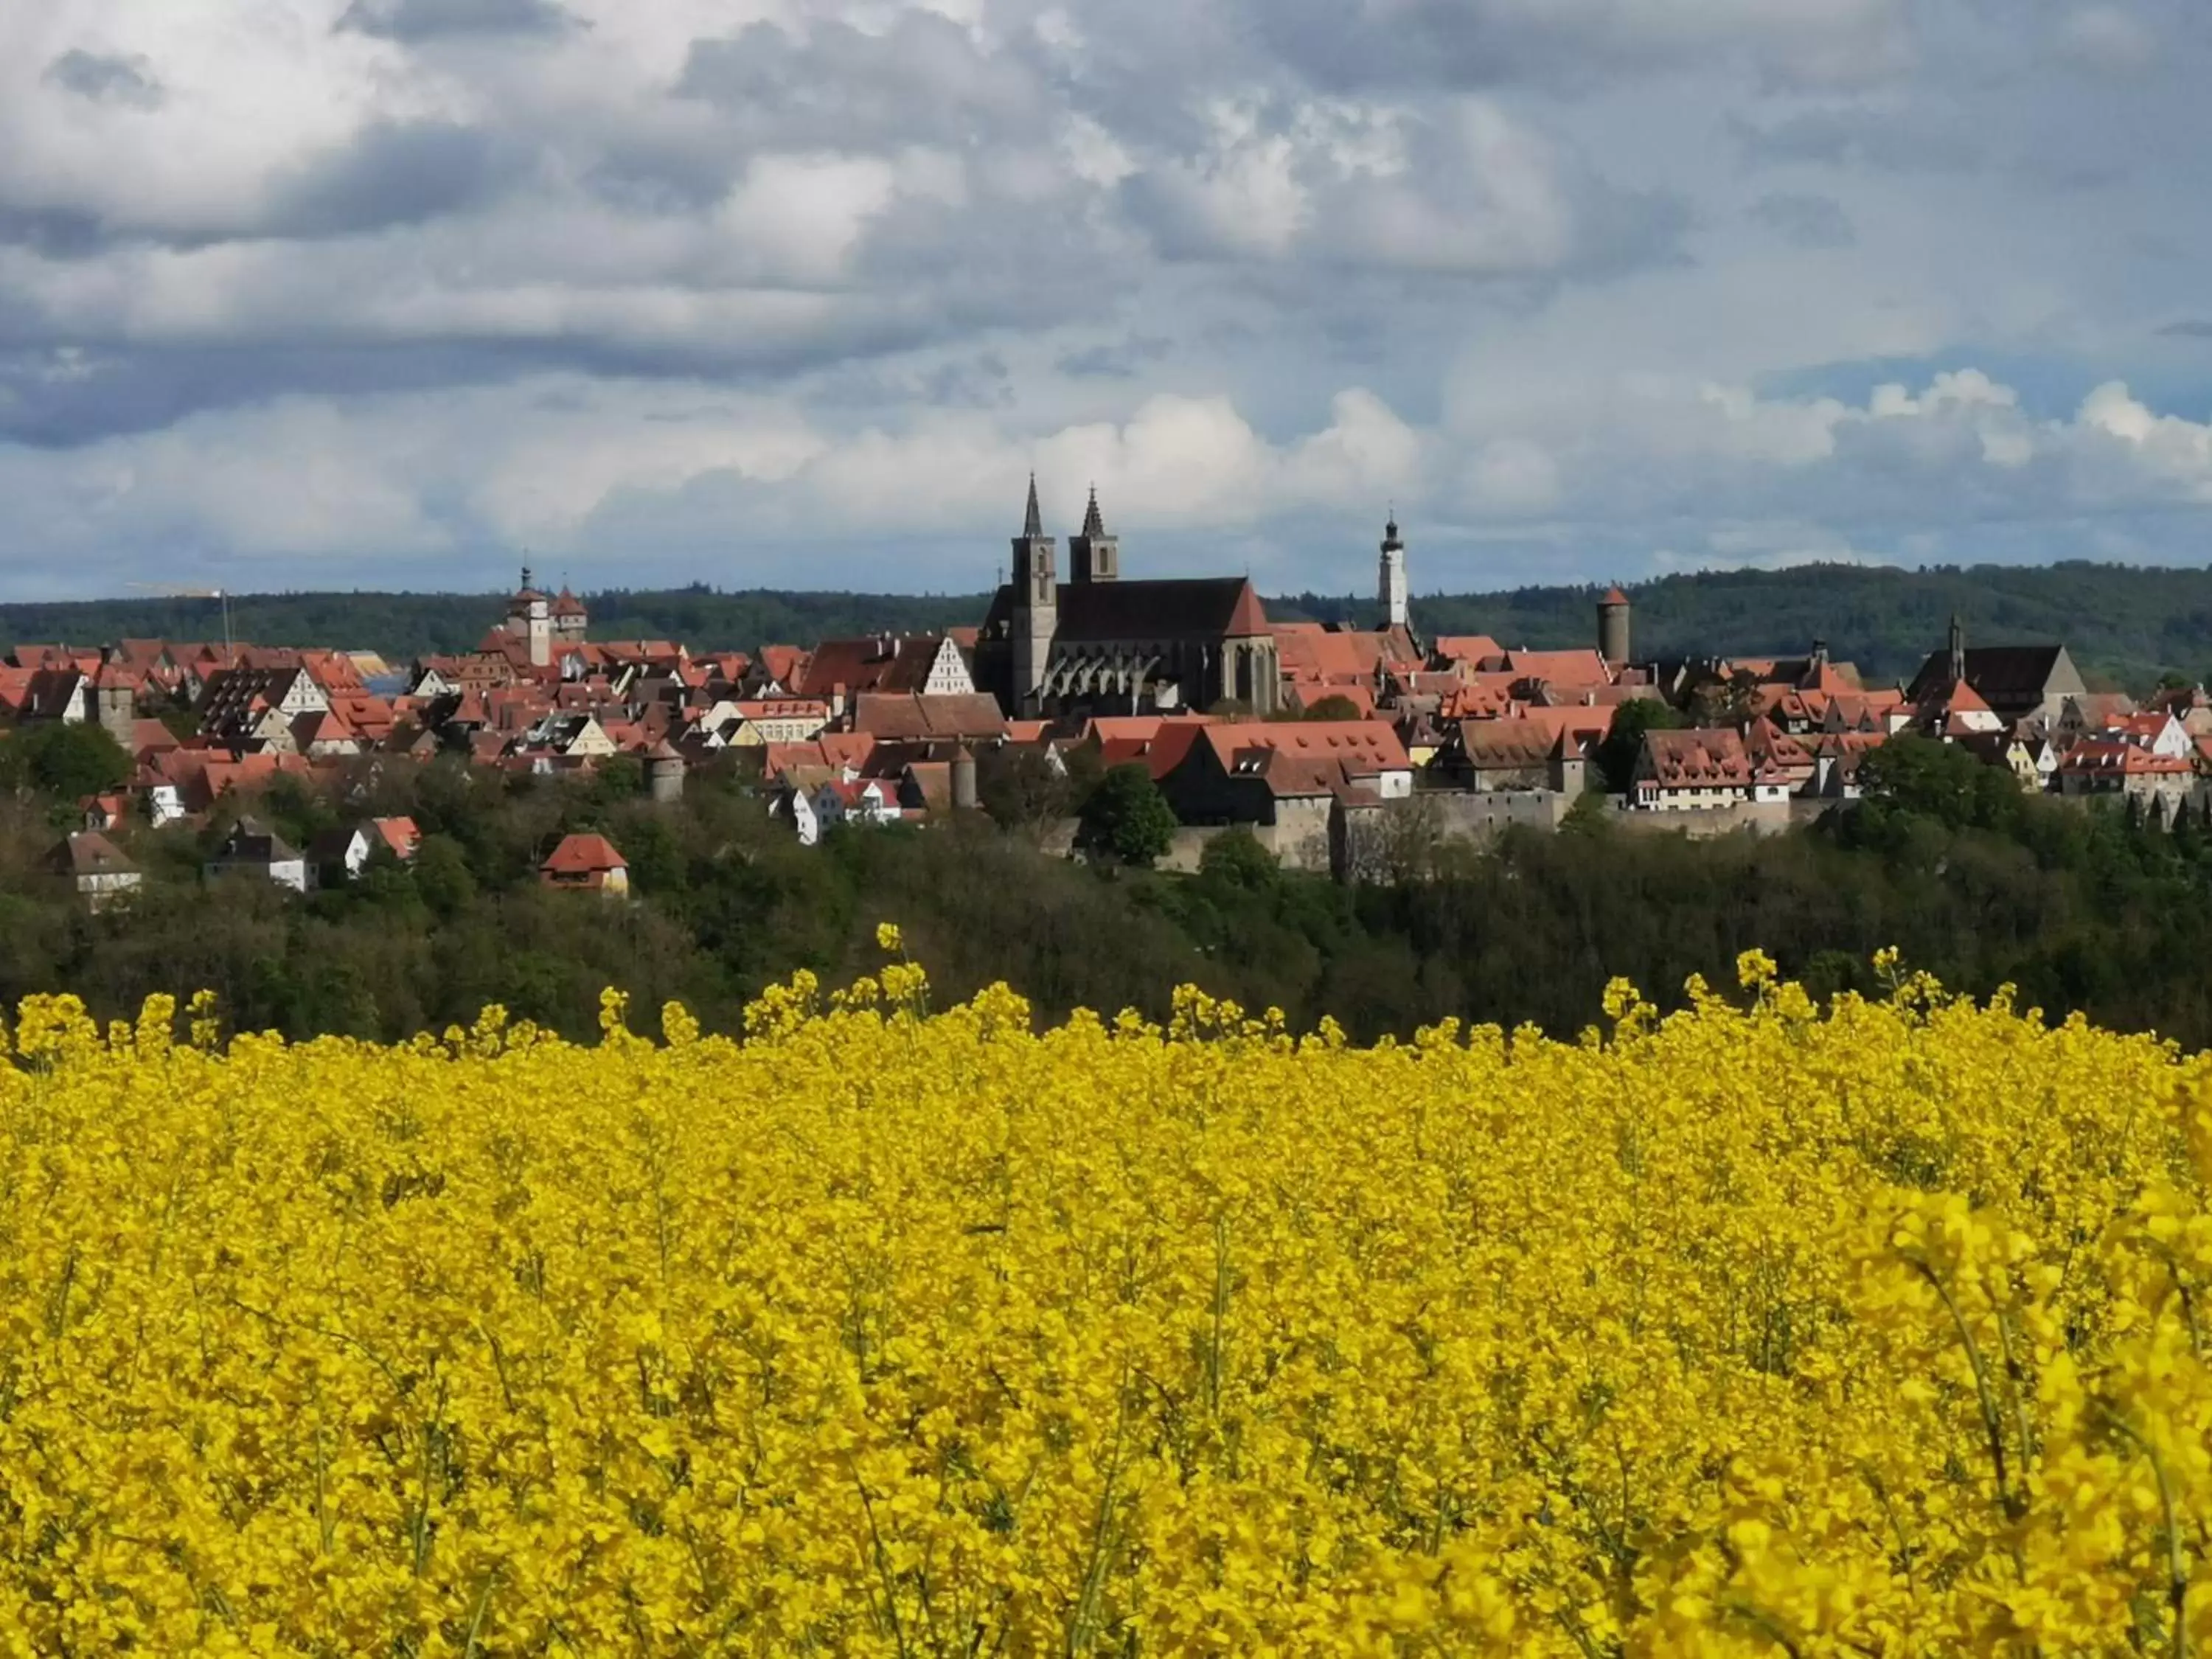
x=583, y=855
x=1491, y=745
x=1473, y=649
x=784, y=664
x=1575, y=668
x=892, y=717
x=1158, y=751
x=832, y=749
x=400, y=834
x=1305, y=757
x=1585, y=720
x=881, y=662
x=1768, y=744
x=1311, y=654
x=1702, y=758
x=782, y=708
x=2117, y=756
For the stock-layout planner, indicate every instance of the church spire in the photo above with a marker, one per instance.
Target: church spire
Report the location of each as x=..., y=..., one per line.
x=1958, y=645
x=1036, y=596
x=1094, y=555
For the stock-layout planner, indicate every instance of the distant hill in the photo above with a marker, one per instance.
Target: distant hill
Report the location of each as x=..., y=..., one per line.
x=401, y=626
x=2125, y=625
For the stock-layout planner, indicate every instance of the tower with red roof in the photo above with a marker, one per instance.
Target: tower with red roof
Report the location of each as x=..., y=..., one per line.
x=1612, y=626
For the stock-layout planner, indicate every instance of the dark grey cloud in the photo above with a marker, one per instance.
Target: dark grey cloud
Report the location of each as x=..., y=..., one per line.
x=390, y=174
x=116, y=387
x=106, y=78
x=1118, y=360
x=1812, y=222
x=55, y=232
x=1477, y=212
x=53, y=399
x=433, y=20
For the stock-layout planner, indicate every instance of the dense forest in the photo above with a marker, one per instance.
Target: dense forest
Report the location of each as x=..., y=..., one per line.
x=2126, y=625
x=2079, y=908
x=401, y=626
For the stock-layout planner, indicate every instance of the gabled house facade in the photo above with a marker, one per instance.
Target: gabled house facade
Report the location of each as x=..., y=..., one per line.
x=253, y=849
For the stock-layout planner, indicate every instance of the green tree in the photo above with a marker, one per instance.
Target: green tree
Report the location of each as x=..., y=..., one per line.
x=1588, y=816
x=1624, y=738
x=618, y=778
x=1725, y=702
x=1942, y=781
x=1333, y=707
x=1021, y=790
x=1127, y=817
x=655, y=857
x=442, y=878
x=1235, y=857
x=66, y=759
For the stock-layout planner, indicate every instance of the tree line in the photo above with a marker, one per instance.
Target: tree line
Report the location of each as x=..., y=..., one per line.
x=2080, y=908
x=2125, y=625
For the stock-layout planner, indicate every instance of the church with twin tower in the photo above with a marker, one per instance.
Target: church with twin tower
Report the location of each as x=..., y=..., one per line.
x=1097, y=645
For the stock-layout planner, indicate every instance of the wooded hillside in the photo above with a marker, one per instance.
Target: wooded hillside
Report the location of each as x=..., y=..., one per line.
x=2125, y=625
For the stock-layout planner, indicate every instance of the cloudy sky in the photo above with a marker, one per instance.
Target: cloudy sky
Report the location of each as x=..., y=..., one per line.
x=376, y=293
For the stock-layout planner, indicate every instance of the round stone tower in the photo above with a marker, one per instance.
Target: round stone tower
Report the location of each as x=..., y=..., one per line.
x=1613, y=626
x=966, y=797
x=664, y=772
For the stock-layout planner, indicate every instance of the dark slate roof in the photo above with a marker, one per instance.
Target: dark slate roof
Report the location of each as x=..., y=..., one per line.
x=1205, y=607
x=331, y=846
x=252, y=841
x=2003, y=674
x=52, y=690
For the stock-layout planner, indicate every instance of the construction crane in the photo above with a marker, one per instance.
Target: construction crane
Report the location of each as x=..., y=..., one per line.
x=173, y=591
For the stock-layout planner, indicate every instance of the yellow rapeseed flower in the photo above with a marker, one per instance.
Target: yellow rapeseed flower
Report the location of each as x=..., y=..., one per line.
x=1879, y=1328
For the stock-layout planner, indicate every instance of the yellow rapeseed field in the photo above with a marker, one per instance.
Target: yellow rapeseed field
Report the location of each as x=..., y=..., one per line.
x=1758, y=1328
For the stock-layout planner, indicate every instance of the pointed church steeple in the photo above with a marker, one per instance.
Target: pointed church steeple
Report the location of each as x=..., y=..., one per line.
x=1958, y=650
x=1035, y=601
x=1093, y=556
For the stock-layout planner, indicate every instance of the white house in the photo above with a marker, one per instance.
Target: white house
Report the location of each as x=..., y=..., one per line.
x=97, y=868
x=858, y=800
x=1684, y=771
